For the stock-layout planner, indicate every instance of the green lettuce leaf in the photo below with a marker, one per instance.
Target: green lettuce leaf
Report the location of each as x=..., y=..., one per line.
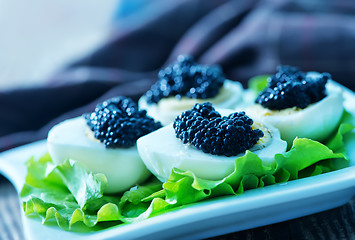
x=336, y=141
x=258, y=83
x=72, y=197
x=250, y=173
x=66, y=193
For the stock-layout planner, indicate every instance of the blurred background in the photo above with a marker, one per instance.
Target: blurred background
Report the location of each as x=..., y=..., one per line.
x=38, y=38
x=59, y=59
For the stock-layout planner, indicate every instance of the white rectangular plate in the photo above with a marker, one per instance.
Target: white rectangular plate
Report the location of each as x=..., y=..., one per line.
x=223, y=215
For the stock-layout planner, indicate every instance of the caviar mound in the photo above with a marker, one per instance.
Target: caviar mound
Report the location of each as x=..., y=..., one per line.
x=290, y=87
x=187, y=78
x=207, y=130
x=316, y=122
x=118, y=123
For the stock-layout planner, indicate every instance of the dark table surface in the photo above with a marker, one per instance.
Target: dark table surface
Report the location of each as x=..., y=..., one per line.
x=338, y=223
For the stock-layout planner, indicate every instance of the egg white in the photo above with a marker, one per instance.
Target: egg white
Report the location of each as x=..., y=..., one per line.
x=72, y=139
x=317, y=121
x=166, y=110
x=161, y=151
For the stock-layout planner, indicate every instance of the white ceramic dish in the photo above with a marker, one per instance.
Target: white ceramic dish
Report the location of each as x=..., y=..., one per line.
x=252, y=209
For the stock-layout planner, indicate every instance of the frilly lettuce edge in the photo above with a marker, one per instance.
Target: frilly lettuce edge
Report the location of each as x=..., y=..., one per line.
x=54, y=194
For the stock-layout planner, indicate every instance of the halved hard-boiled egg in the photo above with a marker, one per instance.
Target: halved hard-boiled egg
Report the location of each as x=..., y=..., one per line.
x=166, y=110
x=184, y=83
x=207, y=144
x=105, y=142
x=316, y=119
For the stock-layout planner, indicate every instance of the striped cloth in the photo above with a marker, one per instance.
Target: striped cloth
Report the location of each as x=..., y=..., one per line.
x=10, y=218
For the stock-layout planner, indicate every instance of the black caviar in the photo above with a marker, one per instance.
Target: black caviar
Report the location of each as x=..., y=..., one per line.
x=118, y=123
x=290, y=87
x=207, y=130
x=187, y=78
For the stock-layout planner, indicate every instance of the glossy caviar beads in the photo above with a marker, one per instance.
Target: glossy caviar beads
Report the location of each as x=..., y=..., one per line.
x=186, y=78
x=118, y=123
x=207, y=130
x=290, y=87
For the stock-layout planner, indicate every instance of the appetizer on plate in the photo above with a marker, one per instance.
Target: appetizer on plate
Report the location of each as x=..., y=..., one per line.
x=203, y=154
x=105, y=142
x=206, y=143
x=184, y=83
x=300, y=104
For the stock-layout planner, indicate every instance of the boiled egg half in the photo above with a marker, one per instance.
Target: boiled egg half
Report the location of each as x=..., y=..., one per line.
x=166, y=110
x=72, y=139
x=161, y=151
x=317, y=121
